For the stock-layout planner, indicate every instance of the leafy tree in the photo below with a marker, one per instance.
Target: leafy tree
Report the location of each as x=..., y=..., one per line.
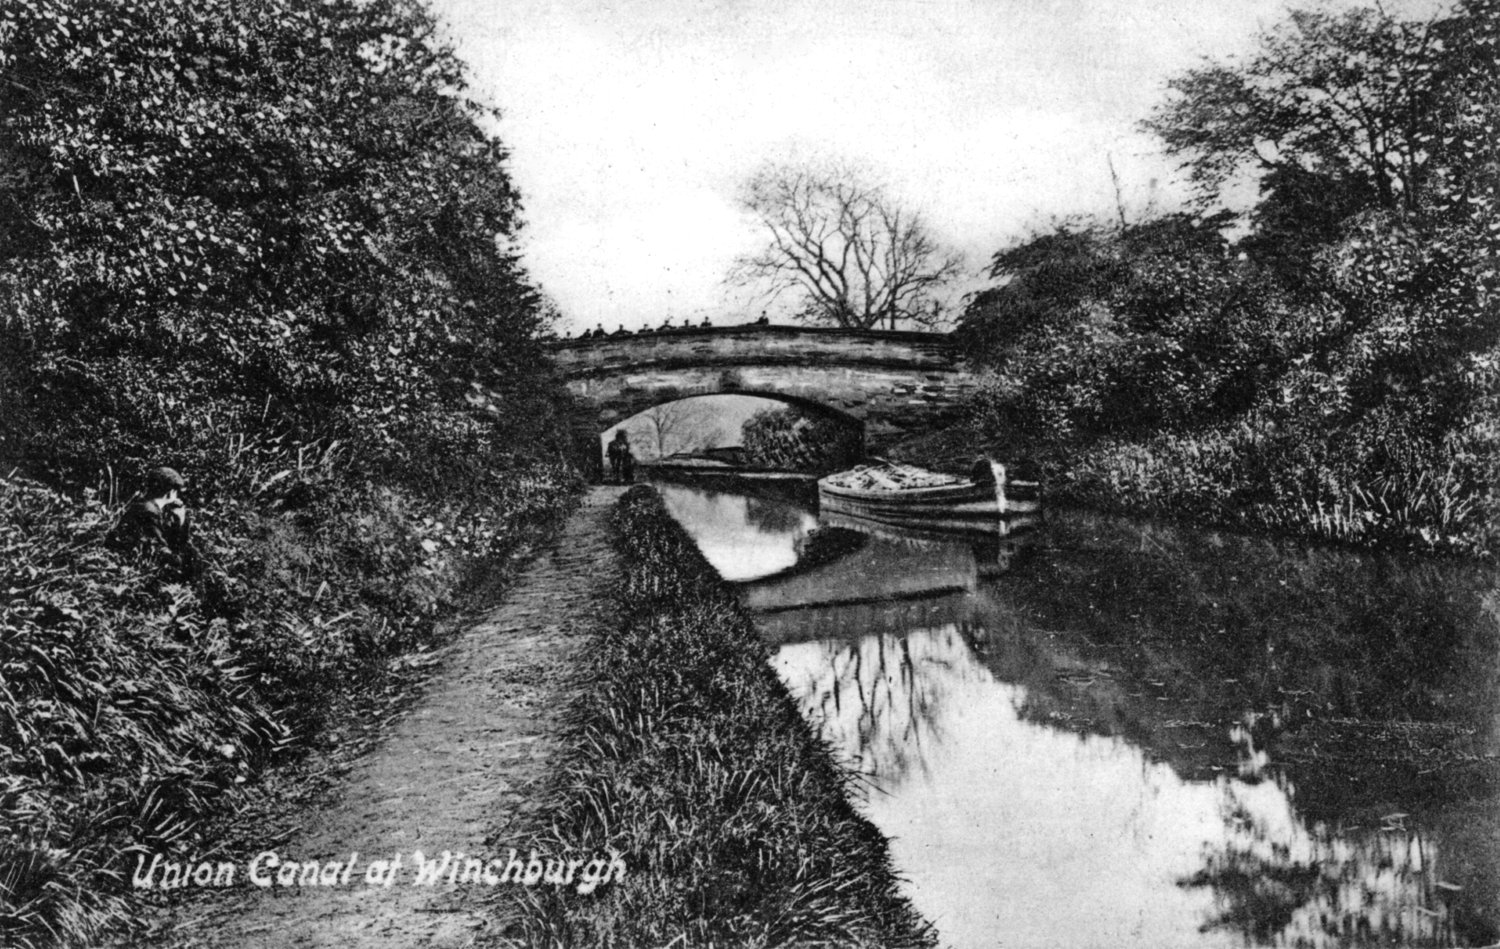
x=1342, y=96
x=1153, y=325
x=843, y=248
x=1044, y=283
x=1341, y=115
x=222, y=210
x=261, y=240
x=792, y=438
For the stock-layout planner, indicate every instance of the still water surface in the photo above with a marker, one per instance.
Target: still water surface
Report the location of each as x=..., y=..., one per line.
x=1116, y=733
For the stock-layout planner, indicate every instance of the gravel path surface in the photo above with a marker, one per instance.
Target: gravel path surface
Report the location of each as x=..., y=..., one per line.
x=462, y=771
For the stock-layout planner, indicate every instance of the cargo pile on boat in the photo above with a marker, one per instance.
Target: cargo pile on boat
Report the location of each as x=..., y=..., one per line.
x=908, y=496
x=890, y=477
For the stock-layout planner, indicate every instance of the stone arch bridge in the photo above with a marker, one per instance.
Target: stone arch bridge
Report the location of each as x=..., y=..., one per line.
x=895, y=383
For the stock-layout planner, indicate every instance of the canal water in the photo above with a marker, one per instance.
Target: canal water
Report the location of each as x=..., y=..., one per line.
x=1110, y=732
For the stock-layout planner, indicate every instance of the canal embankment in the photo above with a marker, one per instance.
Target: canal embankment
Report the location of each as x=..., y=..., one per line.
x=685, y=755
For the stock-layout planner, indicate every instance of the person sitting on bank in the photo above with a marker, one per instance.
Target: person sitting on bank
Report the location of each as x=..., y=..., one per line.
x=157, y=520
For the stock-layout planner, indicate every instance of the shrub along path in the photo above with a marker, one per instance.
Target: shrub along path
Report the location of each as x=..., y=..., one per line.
x=464, y=770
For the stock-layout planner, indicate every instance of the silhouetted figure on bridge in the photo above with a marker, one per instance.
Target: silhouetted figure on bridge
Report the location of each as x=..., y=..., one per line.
x=706, y=324
x=622, y=331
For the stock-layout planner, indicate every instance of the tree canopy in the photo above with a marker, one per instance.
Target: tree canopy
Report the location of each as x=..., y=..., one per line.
x=1342, y=95
x=844, y=249
x=1341, y=348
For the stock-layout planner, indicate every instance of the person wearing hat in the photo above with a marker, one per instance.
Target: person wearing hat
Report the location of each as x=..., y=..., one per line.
x=158, y=519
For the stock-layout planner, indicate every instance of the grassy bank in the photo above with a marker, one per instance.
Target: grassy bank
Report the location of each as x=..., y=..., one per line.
x=135, y=704
x=1239, y=478
x=689, y=758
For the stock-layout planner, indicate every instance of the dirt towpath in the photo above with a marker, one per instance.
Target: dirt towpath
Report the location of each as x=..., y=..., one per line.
x=462, y=771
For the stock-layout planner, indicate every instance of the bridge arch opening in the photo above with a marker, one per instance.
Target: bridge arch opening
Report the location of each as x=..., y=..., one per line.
x=784, y=432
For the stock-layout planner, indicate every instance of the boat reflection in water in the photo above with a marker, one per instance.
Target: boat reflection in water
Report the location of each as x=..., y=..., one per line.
x=1061, y=752
x=894, y=570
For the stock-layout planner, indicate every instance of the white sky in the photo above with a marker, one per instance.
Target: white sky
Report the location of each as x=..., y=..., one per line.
x=632, y=122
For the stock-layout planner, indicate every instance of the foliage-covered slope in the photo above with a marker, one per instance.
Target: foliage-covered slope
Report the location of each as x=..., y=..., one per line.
x=264, y=242
x=1335, y=369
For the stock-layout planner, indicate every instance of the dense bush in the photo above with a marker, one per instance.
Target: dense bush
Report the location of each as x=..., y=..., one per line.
x=690, y=759
x=272, y=216
x=790, y=439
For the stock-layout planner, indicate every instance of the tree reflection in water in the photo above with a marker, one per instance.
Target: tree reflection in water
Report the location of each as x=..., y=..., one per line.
x=898, y=709
x=1282, y=882
x=879, y=700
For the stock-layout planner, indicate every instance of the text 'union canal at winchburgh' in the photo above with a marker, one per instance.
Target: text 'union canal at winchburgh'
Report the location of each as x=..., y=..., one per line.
x=1117, y=733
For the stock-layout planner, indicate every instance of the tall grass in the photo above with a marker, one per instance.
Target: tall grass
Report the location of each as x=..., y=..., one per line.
x=1290, y=485
x=689, y=758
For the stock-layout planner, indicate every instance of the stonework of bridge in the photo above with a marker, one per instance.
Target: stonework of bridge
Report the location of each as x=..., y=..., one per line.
x=895, y=383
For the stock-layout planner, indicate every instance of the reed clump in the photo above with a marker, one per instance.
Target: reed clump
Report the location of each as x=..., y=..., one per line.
x=1339, y=492
x=689, y=758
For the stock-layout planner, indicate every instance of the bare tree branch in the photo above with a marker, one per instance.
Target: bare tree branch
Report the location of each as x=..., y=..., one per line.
x=856, y=259
x=673, y=427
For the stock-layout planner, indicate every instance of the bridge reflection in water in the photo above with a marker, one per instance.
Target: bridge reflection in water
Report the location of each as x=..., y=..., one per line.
x=1054, y=770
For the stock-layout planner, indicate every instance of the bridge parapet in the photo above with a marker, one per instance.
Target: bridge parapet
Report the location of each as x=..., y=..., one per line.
x=755, y=344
